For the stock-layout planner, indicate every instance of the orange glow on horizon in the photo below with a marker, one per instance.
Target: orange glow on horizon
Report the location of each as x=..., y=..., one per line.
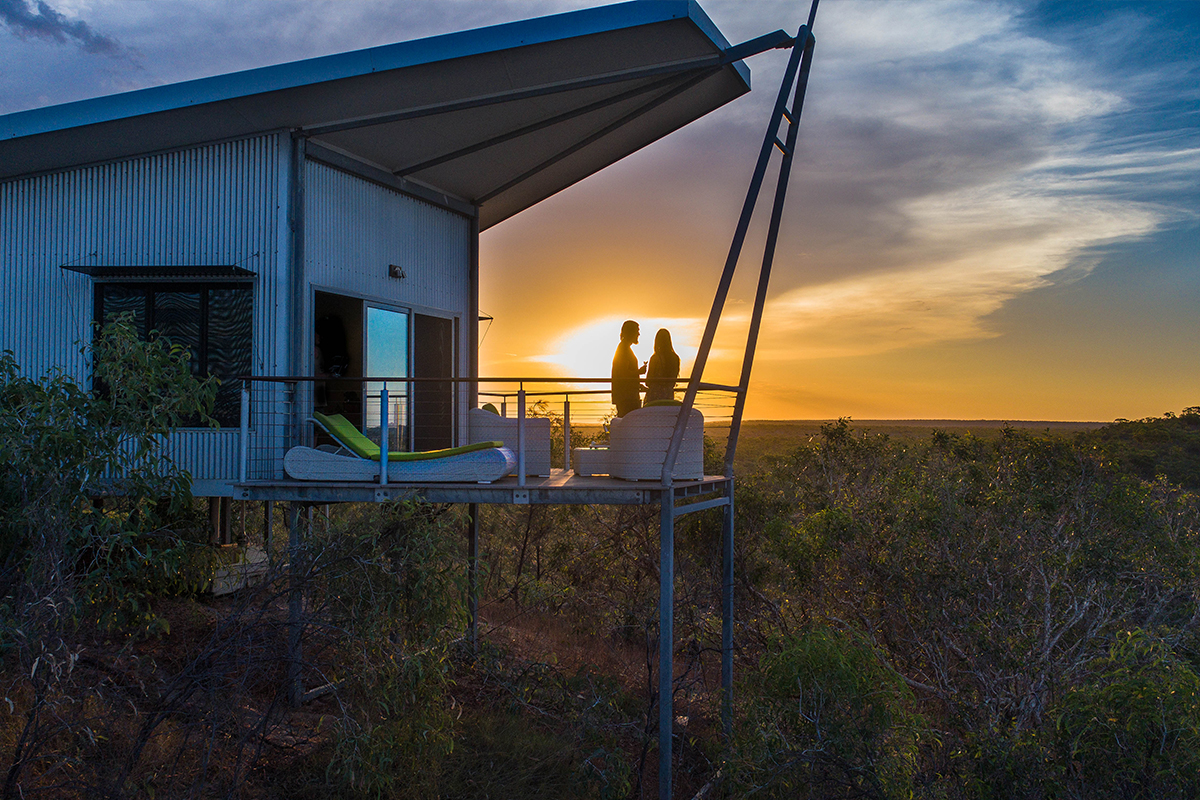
x=586, y=350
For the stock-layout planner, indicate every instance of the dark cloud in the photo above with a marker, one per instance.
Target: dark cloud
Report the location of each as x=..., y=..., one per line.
x=45, y=22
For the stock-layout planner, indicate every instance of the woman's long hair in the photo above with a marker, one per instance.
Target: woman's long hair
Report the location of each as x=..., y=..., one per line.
x=665, y=352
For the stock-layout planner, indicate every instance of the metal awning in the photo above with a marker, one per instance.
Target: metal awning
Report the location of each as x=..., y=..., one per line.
x=499, y=117
x=151, y=274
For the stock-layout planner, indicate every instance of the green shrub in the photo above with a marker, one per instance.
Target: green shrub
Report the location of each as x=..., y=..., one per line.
x=827, y=710
x=389, y=579
x=61, y=446
x=1132, y=729
x=1168, y=446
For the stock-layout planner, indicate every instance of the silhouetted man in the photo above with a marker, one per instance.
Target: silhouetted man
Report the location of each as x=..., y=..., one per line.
x=626, y=388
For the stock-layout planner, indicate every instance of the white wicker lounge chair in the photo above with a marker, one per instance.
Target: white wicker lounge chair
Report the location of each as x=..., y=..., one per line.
x=358, y=461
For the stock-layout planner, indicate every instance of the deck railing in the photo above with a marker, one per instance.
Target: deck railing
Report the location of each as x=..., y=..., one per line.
x=433, y=413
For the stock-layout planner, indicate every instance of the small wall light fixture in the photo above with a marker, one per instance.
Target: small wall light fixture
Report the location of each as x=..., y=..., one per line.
x=396, y=271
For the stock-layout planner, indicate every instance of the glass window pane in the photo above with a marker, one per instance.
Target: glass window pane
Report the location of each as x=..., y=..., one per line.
x=387, y=343
x=230, y=313
x=177, y=317
x=117, y=300
x=387, y=357
x=219, y=340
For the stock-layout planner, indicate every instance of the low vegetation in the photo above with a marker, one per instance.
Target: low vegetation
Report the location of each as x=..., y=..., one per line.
x=1168, y=446
x=947, y=616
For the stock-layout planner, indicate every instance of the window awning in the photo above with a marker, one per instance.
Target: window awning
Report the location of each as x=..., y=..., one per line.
x=499, y=117
x=163, y=274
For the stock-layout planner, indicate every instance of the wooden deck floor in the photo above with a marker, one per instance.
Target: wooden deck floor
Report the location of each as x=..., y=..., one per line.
x=562, y=487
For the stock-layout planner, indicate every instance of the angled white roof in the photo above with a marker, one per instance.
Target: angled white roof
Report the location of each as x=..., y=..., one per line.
x=500, y=117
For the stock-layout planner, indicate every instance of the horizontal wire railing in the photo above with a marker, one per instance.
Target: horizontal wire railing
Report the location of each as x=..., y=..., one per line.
x=414, y=414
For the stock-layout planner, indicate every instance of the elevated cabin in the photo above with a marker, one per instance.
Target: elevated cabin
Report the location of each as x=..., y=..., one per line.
x=248, y=215
x=310, y=228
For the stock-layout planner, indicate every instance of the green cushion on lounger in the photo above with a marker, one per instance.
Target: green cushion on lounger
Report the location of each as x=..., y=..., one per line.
x=353, y=440
x=490, y=407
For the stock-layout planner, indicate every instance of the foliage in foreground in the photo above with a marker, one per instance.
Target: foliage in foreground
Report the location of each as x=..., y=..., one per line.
x=1018, y=586
x=829, y=711
x=69, y=563
x=391, y=587
x=60, y=446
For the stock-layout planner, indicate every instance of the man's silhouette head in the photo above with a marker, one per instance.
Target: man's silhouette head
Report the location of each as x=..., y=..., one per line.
x=630, y=332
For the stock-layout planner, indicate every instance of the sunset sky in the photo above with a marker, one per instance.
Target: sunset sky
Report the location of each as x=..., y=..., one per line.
x=993, y=212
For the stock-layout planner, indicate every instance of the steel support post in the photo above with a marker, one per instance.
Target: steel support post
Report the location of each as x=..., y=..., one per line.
x=666, y=641
x=297, y=300
x=473, y=573
x=731, y=260
x=521, y=436
x=805, y=45
x=295, y=686
x=727, y=619
x=384, y=435
x=567, y=434
x=473, y=314
x=268, y=525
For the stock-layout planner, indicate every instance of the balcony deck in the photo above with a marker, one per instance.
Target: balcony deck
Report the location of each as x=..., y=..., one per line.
x=562, y=487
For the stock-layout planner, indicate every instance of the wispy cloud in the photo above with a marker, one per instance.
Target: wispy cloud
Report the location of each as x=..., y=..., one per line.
x=43, y=21
x=983, y=247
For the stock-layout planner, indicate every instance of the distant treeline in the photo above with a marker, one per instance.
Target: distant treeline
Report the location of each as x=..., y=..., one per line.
x=1168, y=445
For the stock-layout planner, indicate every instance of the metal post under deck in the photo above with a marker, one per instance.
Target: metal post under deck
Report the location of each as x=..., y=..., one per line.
x=666, y=623
x=666, y=641
x=268, y=525
x=473, y=573
x=727, y=619
x=295, y=686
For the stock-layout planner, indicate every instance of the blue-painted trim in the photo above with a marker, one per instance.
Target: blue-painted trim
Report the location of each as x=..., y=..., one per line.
x=357, y=63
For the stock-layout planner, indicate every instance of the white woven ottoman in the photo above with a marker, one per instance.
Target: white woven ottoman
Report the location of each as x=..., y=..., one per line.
x=589, y=461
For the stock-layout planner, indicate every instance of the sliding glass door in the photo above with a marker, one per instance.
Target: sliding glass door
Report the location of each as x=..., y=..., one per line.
x=433, y=401
x=387, y=356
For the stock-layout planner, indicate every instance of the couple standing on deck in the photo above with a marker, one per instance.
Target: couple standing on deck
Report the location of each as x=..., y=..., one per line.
x=661, y=372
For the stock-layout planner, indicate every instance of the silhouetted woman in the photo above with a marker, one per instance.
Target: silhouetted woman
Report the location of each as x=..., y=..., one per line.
x=663, y=369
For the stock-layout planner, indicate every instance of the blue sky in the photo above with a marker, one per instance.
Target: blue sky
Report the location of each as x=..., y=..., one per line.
x=993, y=215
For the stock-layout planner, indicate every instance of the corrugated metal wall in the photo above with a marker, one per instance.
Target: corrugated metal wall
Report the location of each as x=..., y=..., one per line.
x=218, y=204
x=355, y=229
